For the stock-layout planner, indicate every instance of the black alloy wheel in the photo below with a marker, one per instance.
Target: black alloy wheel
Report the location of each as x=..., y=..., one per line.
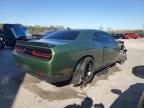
x=84, y=71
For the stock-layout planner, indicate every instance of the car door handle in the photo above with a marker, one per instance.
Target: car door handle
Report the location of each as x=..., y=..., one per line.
x=105, y=47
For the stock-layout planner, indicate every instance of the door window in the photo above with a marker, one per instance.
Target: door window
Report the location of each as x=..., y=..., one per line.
x=105, y=38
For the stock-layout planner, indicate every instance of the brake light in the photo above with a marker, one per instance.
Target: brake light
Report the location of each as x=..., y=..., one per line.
x=19, y=49
x=39, y=54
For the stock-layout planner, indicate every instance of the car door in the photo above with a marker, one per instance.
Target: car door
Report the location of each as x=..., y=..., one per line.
x=98, y=52
x=9, y=35
x=110, y=49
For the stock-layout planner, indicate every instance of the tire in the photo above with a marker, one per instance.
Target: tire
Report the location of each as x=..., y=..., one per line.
x=84, y=71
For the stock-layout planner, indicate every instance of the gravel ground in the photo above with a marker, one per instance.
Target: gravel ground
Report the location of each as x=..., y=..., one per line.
x=119, y=88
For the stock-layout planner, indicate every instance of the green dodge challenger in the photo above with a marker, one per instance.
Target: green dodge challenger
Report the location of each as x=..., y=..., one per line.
x=69, y=54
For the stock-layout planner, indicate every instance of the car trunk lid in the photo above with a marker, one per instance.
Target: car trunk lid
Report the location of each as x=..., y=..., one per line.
x=39, y=48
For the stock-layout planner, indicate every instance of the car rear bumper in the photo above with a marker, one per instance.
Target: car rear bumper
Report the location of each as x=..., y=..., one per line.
x=51, y=80
x=39, y=68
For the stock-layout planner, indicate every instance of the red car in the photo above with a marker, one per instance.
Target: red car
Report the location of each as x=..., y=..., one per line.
x=131, y=36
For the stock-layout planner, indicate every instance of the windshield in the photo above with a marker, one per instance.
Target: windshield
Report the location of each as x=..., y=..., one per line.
x=21, y=31
x=63, y=35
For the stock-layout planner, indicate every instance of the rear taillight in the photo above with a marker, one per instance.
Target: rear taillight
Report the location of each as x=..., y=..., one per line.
x=40, y=54
x=43, y=53
x=19, y=49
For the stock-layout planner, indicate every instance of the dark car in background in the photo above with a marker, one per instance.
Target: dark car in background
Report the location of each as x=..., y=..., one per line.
x=13, y=32
x=2, y=43
x=118, y=36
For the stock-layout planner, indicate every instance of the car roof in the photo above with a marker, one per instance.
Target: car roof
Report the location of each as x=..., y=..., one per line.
x=82, y=30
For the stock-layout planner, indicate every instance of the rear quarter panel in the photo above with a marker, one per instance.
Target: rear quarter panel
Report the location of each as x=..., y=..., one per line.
x=67, y=56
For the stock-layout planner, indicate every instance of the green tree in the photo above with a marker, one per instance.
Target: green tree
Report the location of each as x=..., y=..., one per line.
x=1, y=25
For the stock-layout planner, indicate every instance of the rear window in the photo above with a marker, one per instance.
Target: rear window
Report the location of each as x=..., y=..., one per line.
x=63, y=35
x=21, y=31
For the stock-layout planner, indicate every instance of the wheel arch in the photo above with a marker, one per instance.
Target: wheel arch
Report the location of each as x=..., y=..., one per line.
x=80, y=60
x=73, y=73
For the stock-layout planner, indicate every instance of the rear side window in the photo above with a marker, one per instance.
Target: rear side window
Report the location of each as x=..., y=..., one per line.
x=95, y=37
x=105, y=38
x=63, y=35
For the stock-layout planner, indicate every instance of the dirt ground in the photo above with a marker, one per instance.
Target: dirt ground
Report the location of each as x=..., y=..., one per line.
x=119, y=88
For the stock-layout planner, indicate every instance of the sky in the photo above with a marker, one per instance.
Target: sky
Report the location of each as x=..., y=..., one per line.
x=92, y=14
